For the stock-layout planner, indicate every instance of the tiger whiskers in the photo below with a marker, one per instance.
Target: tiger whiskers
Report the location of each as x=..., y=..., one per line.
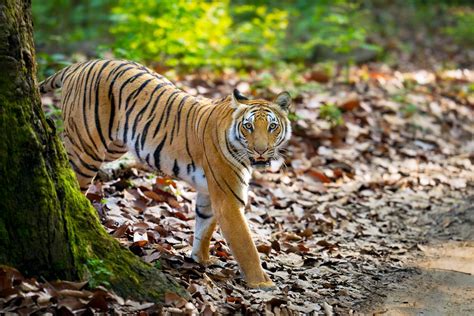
x=240, y=156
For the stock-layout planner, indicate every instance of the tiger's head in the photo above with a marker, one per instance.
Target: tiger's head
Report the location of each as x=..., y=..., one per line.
x=260, y=128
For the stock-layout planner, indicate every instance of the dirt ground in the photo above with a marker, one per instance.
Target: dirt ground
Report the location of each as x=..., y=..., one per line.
x=440, y=280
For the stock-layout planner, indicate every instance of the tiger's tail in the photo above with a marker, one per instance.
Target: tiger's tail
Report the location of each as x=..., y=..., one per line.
x=53, y=82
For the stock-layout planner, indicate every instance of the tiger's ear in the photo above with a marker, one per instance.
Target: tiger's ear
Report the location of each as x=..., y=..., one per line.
x=283, y=100
x=236, y=97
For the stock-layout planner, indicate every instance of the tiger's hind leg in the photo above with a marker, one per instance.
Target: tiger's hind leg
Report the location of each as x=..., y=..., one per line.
x=205, y=226
x=115, y=150
x=84, y=164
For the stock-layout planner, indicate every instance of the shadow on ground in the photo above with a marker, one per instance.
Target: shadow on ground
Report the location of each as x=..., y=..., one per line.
x=441, y=280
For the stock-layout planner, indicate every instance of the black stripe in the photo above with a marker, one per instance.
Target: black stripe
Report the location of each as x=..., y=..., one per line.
x=72, y=70
x=125, y=83
x=178, y=117
x=137, y=149
x=175, y=168
x=202, y=215
x=144, y=108
x=96, y=108
x=150, y=120
x=112, y=95
x=84, y=105
x=281, y=136
x=130, y=110
x=167, y=104
x=114, y=152
x=201, y=115
x=85, y=147
x=187, y=137
x=238, y=134
x=86, y=165
x=117, y=68
x=76, y=92
x=79, y=171
x=156, y=154
x=233, y=152
x=63, y=73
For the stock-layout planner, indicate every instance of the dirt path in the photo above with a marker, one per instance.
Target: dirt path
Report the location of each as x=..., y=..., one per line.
x=441, y=281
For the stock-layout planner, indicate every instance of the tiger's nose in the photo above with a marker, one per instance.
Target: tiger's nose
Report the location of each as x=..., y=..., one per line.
x=260, y=150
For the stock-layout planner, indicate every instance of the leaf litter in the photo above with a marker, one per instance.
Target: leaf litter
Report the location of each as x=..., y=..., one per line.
x=350, y=203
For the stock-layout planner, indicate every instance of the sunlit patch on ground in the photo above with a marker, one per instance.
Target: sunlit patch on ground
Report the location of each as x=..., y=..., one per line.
x=443, y=284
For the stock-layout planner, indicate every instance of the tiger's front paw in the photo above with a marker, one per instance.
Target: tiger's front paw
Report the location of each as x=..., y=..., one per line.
x=208, y=262
x=204, y=260
x=263, y=282
x=262, y=285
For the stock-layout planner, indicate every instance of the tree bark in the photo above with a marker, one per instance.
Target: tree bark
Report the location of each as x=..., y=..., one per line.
x=47, y=227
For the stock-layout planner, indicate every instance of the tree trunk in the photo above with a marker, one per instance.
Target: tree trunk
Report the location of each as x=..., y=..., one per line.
x=47, y=227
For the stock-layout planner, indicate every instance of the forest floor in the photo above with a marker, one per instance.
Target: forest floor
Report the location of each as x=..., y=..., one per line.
x=372, y=212
x=374, y=215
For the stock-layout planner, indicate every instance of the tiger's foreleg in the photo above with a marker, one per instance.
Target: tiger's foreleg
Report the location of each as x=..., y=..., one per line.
x=229, y=213
x=205, y=226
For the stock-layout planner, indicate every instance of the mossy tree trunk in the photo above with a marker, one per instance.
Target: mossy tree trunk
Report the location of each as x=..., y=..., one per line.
x=47, y=227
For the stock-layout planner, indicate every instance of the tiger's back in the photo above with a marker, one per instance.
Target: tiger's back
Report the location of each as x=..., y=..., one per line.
x=111, y=107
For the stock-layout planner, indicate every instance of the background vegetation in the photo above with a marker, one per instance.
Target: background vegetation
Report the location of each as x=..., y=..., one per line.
x=241, y=34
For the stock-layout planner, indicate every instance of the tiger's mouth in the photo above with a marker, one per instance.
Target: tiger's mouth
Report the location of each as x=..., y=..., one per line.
x=260, y=163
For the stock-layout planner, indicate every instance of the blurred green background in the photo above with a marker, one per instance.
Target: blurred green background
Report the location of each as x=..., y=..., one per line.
x=248, y=35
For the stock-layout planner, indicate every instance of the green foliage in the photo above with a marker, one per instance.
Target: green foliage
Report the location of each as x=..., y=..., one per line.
x=408, y=110
x=98, y=273
x=331, y=113
x=198, y=34
x=157, y=264
x=54, y=113
x=59, y=23
x=49, y=64
x=338, y=26
x=463, y=29
x=258, y=34
x=241, y=34
x=285, y=77
x=171, y=32
x=293, y=117
x=219, y=34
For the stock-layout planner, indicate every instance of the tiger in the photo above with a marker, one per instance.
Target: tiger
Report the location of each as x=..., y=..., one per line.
x=110, y=107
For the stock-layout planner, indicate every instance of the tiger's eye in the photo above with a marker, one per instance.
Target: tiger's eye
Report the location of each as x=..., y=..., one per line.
x=248, y=125
x=273, y=126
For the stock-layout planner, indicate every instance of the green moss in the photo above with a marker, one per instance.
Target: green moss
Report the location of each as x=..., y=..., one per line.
x=98, y=273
